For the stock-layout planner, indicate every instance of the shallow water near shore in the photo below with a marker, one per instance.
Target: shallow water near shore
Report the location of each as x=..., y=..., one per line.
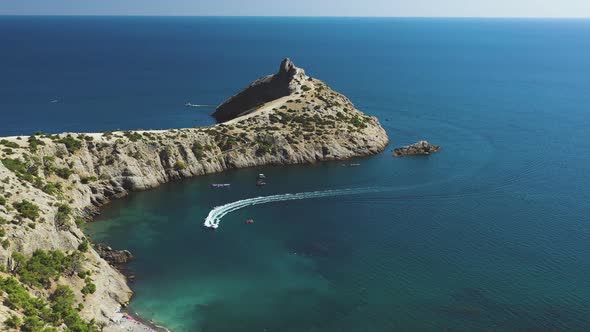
x=491, y=233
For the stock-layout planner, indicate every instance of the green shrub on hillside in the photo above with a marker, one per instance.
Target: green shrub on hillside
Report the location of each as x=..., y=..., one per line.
x=133, y=136
x=41, y=315
x=44, y=266
x=33, y=324
x=179, y=165
x=89, y=287
x=71, y=143
x=9, y=144
x=79, y=221
x=16, y=166
x=87, y=180
x=13, y=322
x=62, y=304
x=63, y=214
x=27, y=209
x=34, y=143
x=52, y=188
x=198, y=150
x=84, y=245
x=26, y=170
x=63, y=172
x=358, y=122
x=17, y=297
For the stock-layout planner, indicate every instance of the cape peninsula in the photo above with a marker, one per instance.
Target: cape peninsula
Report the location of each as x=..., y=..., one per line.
x=52, y=276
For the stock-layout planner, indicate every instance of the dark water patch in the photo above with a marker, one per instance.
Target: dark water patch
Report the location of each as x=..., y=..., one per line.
x=462, y=311
x=298, y=310
x=474, y=305
x=321, y=246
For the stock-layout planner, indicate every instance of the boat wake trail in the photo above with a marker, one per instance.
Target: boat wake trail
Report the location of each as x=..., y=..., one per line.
x=215, y=215
x=196, y=105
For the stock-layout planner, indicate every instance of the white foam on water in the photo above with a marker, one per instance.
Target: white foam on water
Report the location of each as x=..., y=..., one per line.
x=218, y=212
x=197, y=105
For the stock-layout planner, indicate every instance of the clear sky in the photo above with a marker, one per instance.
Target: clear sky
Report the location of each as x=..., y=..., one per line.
x=453, y=8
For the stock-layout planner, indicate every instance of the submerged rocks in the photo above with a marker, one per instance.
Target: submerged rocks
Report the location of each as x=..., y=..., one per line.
x=417, y=149
x=114, y=257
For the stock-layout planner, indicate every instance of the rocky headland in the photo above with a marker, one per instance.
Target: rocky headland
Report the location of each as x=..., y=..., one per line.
x=50, y=184
x=420, y=148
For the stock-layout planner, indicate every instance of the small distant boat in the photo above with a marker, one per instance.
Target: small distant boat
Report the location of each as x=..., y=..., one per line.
x=261, y=176
x=54, y=101
x=260, y=183
x=220, y=185
x=354, y=165
x=249, y=221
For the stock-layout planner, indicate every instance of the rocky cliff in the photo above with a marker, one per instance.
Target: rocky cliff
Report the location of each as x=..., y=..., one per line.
x=285, y=82
x=51, y=183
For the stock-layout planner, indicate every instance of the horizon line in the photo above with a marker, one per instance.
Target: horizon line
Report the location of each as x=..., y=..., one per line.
x=299, y=16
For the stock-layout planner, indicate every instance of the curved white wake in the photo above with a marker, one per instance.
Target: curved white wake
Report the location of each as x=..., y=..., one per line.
x=218, y=212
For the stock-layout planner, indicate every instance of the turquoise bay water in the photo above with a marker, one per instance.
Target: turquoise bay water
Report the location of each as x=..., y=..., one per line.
x=492, y=233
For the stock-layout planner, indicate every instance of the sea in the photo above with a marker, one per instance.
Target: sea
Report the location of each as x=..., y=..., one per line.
x=492, y=233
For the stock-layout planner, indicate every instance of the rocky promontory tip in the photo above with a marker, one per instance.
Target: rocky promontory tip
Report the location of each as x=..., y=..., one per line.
x=285, y=82
x=287, y=67
x=416, y=149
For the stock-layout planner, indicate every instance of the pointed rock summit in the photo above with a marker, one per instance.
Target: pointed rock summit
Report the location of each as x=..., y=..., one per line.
x=286, y=81
x=287, y=67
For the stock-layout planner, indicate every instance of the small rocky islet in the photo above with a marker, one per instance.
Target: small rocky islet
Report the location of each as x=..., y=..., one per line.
x=50, y=184
x=420, y=148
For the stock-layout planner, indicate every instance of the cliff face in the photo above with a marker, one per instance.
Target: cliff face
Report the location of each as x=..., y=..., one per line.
x=261, y=91
x=264, y=126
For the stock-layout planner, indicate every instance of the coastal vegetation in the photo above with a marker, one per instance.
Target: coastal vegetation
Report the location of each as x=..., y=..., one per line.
x=41, y=271
x=72, y=144
x=133, y=136
x=43, y=267
x=179, y=165
x=50, y=184
x=9, y=144
x=42, y=315
x=34, y=143
x=27, y=209
x=63, y=215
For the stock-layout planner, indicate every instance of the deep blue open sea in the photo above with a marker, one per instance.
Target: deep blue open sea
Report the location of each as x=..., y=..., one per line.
x=490, y=234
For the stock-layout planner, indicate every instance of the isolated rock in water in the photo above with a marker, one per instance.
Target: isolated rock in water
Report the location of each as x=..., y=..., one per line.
x=419, y=148
x=261, y=91
x=114, y=257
